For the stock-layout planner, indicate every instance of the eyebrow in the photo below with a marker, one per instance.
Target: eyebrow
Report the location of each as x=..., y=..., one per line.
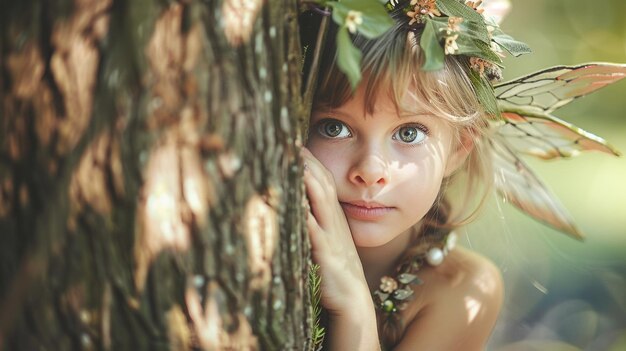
x=332, y=112
x=339, y=113
x=418, y=114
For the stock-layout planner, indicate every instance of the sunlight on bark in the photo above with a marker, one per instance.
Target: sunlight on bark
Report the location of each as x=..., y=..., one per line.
x=214, y=333
x=177, y=196
x=88, y=184
x=178, y=332
x=74, y=65
x=208, y=323
x=262, y=235
x=160, y=216
x=238, y=18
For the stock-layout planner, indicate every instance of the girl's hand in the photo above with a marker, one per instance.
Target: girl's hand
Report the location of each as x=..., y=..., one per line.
x=344, y=289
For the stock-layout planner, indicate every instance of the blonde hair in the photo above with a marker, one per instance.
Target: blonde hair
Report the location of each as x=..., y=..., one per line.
x=391, y=64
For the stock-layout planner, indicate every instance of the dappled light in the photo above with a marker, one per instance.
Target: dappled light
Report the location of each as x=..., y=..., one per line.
x=237, y=18
x=176, y=198
x=209, y=326
x=88, y=186
x=261, y=231
x=472, y=306
x=213, y=331
x=163, y=222
x=75, y=64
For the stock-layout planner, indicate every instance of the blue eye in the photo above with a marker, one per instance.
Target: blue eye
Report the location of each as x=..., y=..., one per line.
x=410, y=134
x=332, y=128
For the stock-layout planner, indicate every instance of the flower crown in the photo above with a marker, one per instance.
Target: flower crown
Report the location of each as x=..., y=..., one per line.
x=448, y=27
x=457, y=27
x=454, y=27
x=520, y=110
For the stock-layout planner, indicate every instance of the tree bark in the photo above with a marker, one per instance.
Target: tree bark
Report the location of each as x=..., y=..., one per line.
x=150, y=185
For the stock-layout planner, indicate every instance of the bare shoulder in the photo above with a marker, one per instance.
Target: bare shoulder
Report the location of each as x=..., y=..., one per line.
x=466, y=269
x=462, y=274
x=457, y=305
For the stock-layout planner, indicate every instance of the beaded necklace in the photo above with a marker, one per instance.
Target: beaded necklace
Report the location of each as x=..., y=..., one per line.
x=393, y=294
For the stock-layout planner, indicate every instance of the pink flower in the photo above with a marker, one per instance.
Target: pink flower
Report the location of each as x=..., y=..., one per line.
x=388, y=284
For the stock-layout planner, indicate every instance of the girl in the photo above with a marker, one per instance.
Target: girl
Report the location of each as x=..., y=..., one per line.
x=378, y=163
x=392, y=167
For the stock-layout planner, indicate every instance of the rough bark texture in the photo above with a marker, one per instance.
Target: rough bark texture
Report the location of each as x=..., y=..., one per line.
x=150, y=192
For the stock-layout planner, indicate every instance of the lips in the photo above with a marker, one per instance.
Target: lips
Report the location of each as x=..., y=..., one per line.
x=365, y=211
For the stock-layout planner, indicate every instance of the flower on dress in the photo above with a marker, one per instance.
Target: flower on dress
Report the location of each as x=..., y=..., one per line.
x=353, y=19
x=388, y=284
x=421, y=9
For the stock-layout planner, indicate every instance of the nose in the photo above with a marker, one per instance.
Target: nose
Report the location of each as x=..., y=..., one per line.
x=370, y=170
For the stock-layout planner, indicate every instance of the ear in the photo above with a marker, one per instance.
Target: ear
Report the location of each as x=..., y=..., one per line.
x=459, y=151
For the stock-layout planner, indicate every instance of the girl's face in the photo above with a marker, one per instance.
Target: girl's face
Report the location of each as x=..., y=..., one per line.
x=387, y=168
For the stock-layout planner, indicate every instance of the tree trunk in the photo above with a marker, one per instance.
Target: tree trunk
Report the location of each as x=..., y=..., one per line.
x=150, y=186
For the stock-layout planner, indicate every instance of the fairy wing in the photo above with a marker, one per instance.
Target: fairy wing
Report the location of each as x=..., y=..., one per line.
x=517, y=183
x=546, y=90
x=527, y=127
x=547, y=137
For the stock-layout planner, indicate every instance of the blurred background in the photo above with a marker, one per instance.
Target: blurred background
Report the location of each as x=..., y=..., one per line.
x=562, y=294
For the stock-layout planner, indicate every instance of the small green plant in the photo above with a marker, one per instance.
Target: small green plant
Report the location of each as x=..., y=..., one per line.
x=315, y=295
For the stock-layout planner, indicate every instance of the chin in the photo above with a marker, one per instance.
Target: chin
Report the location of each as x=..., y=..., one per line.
x=372, y=234
x=371, y=238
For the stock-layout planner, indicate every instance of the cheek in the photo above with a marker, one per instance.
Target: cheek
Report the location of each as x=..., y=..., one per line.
x=328, y=156
x=422, y=182
x=427, y=163
x=422, y=178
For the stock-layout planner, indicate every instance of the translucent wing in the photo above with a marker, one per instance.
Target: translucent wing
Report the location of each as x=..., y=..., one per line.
x=520, y=186
x=527, y=127
x=549, y=89
x=547, y=137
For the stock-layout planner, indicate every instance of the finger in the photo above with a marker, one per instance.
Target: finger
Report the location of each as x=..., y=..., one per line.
x=316, y=235
x=315, y=194
x=317, y=168
x=323, y=176
x=322, y=190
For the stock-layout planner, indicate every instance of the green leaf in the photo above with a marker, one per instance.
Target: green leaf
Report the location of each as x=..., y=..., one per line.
x=476, y=48
x=381, y=295
x=473, y=39
x=340, y=12
x=458, y=9
x=432, y=49
x=475, y=30
x=348, y=57
x=485, y=94
x=376, y=20
x=514, y=47
x=407, y=278
x=402, y=294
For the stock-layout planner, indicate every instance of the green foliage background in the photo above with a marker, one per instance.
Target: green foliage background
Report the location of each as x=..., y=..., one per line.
x=563, y=294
